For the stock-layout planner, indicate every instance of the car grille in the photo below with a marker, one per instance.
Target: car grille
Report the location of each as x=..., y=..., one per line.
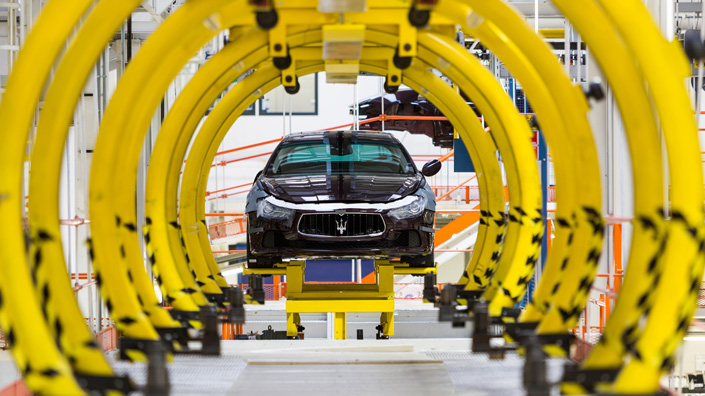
x=406, y=239
x=345, y=225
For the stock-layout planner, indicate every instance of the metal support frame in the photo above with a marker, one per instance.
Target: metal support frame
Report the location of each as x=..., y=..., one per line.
x=340, y=299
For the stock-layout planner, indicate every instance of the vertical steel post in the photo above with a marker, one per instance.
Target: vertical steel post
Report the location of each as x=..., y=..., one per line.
x=579, y=59
x=382, y=93
x=543, y=157
x=10, y=38
x=23, y=28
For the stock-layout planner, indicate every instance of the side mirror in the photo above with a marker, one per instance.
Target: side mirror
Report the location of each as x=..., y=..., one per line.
x=258, y=175
x=431, y=168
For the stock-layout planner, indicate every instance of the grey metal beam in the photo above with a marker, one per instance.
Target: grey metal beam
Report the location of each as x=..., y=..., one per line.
x=689, y=7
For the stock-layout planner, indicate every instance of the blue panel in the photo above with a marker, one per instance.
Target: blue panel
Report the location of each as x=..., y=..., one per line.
x=244, y=279
x=461, y=157
x=330, y=271
x=368, y=267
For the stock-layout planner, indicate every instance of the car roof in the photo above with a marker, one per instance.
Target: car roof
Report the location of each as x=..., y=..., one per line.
x=376, y=136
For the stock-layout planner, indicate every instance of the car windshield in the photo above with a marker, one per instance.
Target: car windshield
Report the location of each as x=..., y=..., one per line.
x=320, y=157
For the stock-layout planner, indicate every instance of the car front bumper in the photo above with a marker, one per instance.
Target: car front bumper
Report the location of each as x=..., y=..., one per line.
x=283, y=238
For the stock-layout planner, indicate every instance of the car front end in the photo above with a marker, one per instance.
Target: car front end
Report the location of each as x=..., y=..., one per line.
x=340, y=194
x=351, y=230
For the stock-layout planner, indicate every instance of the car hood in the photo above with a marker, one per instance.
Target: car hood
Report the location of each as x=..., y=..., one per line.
x=341, y=188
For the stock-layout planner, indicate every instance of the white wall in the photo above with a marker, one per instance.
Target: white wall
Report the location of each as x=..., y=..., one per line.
x=333, y=110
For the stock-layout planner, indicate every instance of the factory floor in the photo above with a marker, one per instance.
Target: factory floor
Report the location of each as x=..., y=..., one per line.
x=348, y=367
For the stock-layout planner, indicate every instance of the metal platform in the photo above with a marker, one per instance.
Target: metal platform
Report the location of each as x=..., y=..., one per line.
x=344, y=367
x=413, y=319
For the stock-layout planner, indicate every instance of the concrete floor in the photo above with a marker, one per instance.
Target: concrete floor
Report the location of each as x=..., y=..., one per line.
x=8, y=370
x=348, y=367
x=423, y=358
x=327, y=367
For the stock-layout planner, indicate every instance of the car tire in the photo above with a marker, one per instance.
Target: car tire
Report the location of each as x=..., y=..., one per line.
x=426, y=261
x=260, y=262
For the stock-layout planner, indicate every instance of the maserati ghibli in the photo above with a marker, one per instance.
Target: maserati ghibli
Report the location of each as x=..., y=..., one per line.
x=341, y=194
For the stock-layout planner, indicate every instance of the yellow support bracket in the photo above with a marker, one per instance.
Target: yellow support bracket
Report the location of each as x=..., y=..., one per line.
x=404, y=270
x=339, y=299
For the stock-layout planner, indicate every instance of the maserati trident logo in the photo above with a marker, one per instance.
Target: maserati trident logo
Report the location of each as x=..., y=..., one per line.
x=342, y=225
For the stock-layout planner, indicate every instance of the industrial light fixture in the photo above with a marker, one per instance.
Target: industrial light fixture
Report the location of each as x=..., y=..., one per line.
x=343, y=42
x=342, y=5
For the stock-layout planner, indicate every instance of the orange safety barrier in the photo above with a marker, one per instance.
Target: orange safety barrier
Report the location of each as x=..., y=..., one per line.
x=17, y=388
x=230, y=331
x=107, y=339
x=227, y=228
x=581, y=350
x=618, y=269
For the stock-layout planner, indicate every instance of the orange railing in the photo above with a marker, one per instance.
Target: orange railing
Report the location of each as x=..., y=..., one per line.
x=228, y=189
x=216, y=214
x=467, y=190
x=467, y=194
x=249, y=146
x=224, y=163
x=590, y=333
x=442, y=158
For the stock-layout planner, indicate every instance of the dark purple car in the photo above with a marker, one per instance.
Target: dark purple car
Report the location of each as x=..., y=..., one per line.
x=341, y=194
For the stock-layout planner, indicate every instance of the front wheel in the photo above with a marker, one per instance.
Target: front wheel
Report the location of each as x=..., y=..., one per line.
x=260, y=262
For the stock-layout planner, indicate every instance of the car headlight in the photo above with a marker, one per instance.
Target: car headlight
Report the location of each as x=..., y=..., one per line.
x=268, y=210
x=413, y=209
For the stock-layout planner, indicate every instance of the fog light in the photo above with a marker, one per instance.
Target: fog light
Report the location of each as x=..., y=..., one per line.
x=428, y=217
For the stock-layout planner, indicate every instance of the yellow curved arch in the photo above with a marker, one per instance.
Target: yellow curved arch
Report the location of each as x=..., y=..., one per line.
x=55, y=119
x=644, y=265
x=169, y=151
x=665, y=68
x=511, y=132
x=194, y=24
x=557, y=300
x=44, y=368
